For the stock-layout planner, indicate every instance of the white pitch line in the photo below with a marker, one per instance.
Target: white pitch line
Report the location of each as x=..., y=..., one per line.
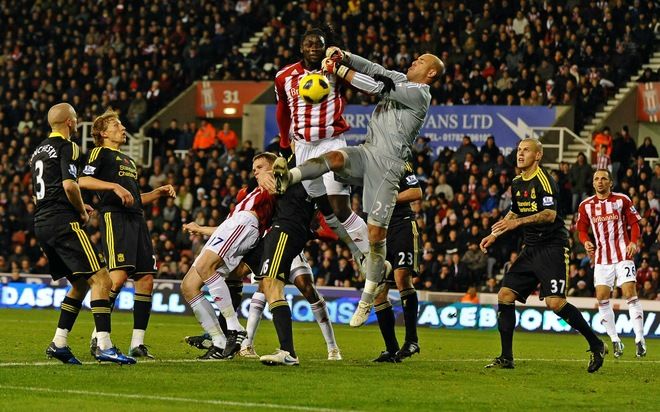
x=166, y=398
x=321, y=360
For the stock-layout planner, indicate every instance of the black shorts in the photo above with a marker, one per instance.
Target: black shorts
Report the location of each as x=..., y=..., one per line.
x=403, y=247
x=127, y=243
x=253, y=258
x=279, y=250
x=547, y=265
x=69, y=250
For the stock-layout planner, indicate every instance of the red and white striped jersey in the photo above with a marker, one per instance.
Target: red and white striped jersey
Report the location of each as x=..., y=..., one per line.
x=261, y=203
x=609, y=220
x=309, y=122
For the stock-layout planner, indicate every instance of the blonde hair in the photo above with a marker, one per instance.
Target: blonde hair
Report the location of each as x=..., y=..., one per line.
x=101, y=123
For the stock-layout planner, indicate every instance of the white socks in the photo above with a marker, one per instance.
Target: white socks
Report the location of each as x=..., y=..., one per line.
x=607, y=319
x=636, y=317
x=222, y=297
x=357, y=230
x=60, y=339
x=322, y=316
x=138, y=338
x=344, y=236
x=254, y=317
x=103, y=340
x=207, y=319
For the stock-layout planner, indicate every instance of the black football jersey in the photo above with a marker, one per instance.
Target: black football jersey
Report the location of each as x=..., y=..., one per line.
x=402, y=211
x=294, y=210
x=530, y=196
x=112, y=165
x=55, y=160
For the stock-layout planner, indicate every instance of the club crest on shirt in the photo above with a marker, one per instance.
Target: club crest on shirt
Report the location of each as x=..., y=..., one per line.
x=533, y=195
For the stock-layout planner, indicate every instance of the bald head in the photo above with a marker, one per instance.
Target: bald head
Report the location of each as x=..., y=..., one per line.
x=62, y=118
x=59, y=114
x=437, y=65
x=426, y=69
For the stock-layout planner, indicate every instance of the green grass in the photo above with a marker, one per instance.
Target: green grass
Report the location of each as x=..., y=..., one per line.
x=448, y=374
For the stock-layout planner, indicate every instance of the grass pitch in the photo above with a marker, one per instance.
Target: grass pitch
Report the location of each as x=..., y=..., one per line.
x=550, y=372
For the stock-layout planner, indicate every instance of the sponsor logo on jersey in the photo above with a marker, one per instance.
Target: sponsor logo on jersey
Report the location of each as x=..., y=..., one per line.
x=606, y=218
x=548, y=201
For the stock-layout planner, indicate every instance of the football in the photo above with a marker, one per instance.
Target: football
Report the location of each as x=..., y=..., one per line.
x=314, y=88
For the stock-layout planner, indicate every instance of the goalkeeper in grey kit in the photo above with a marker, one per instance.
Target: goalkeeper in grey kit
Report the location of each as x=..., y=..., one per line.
x=379, y=164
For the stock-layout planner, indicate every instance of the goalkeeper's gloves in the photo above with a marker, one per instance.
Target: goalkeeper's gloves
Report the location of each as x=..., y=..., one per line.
x=388, y=84
x=335, y=53
x=331, y=66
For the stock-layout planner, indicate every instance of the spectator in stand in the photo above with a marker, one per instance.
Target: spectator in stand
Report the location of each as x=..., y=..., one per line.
x=466, y=147
x=475, y=262
x=491, y=286
x=185, y=140
x=471, y=296
x=603, y=160
x=647, y=149
x=137, y=111
x=205, y=136
x=623, y=152
x=580, y=178
x=603, y=138
x=171, y=136
x=641, y=172
x=647, y=291
x=228, y=137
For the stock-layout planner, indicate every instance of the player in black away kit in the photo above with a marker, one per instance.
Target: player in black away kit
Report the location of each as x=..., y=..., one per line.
x=126, y=240
x=58, y=220
x=403, y=252
x=544, y=258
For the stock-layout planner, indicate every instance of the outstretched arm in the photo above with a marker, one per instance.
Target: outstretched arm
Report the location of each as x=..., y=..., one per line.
x=167, y=190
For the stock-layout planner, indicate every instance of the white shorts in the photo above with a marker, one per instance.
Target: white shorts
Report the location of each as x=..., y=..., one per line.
x=299, y=266
x=326, y=183
x=233, y=239
x=621, y=272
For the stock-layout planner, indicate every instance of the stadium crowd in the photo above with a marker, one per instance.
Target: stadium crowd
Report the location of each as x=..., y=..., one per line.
x=465, y=192
x=135, y=57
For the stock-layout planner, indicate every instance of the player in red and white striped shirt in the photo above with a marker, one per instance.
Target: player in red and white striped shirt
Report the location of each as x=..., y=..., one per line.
x=222, y=253
x=609, y=215
x=317, y=129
